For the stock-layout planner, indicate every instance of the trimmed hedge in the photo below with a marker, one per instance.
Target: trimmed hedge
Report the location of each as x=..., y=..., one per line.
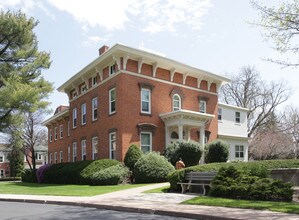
x=217, y=151
x=255, y=168
x=152, y=168
x=76, y=173
x=235, y=184
x=10, y=179
x=111, y=176
x=133, y=154
x=29, y=176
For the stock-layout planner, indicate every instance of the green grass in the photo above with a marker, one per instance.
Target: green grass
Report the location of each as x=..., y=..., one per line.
x=60, y=190
x=287, y=207
x=164, y=189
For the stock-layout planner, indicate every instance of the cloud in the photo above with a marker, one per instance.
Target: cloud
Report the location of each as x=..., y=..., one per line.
x=94, y=41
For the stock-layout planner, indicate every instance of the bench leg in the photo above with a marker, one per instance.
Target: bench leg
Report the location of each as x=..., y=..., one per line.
x=184, y=188
x=204, y=190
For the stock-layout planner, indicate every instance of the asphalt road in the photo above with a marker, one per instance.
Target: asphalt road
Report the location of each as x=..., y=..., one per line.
x=33, y=211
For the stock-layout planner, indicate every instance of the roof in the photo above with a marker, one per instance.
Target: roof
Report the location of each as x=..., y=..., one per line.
x=119, y=50
x=233, y=107
x=57, y=116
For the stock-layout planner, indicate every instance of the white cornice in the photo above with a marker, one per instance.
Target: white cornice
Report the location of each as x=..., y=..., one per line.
x=233, y=107
x=56, y=117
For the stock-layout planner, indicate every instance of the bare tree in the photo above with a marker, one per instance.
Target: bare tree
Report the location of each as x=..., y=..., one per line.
x=34, y=135
x=248, y=90
x=281, y=25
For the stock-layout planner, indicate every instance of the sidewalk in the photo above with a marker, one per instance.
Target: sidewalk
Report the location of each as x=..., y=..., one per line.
x=133, y=200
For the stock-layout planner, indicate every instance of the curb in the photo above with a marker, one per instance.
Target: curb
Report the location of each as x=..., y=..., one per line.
x=124, y=209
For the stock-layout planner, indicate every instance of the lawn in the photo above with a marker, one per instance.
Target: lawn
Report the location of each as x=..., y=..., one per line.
x=60, y=190
x=158, y=190
x=287, y=207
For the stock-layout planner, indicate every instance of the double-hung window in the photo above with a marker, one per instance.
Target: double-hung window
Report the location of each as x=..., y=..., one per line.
x=146, y=142
x=176, y=102
x=83, y=89
x=83, y=114
x=74, y=151
x=112, y=101
x=1, y=158
x=55, y=157
x=237, y=117
x=94, y=81
x=51, y=160
x=61, y=156
x=112, y=145
x=51, y=135
x=94, y=148
x=219, y=114
x=60, y=131
x=94, y=108
x=83, y=148
x=68, y=128
x=55, y=133
x=145, y=101
x=74, y=117
x=202, y=106
x=239, y=151
x=112, y=69
x=68, y=153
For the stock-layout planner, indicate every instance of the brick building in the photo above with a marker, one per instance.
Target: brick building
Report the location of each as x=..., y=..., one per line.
x=130, y=96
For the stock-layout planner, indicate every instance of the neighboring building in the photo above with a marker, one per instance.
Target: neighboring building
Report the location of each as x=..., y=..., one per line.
x=232, y=128
x=4, y=162
x=129, y=96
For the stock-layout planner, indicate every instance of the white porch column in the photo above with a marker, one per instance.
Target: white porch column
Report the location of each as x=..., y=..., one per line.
x=167, y=136
x=188, y=134
x=202, y=142
x=180, y=132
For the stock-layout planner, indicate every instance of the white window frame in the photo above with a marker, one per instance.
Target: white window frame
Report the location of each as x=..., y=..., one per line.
x=61, y=131
x=179, y=101
x=238, y=117
x=112, y=101
x=51, y=135
x=55, y=134
x=61, y=156
x=68, y=153
x=83, y=88
x=83, y=149
x=74, y=151
x=112, y=151
x=219, y=114
x=75, y=94
x=75, y=121
x=151, y=141
x=94, y=81
x=2, y=173
x=202, y=106
x=94, y=104
x=95, y=150
x=55, y=157
x=83, y=114
x=238, y=151
x=68, y=128
x=51, y=158
x=112, y=69
x=2, y=158
x=148, y=111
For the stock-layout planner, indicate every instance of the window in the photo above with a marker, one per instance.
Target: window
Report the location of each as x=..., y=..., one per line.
x=94, y=108
x=176, y=102
x=74, y=151
x=237, y=117
x=51, y=160
x=112, y=100
x=68, y=128
x=1, y=158
x=145, y=101
x=83, y=148
x=112, y=69
x=1, y=173
x=68, y=153
x=83, y=89
x=239, y=151
x=55, y=157
x=94, y=81
x=51, y=136
x=74, y=117
x=94, y=148
x=202, y=106
x=219, y=114
x=146, y=142
x=38, y=156
x=55, y=133
x=112, y=145
x=75, y=94
x=61, y=156
x=60, y=131
x=83, y=114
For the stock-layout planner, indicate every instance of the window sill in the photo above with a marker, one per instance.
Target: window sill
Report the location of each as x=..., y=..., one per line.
x=238, y=124
x=111, y=114
x=146, y=114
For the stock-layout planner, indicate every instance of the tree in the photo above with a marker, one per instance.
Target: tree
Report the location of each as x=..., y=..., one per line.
x=248, y=90
x=281, y=24
x=34, y=135
x=217, y=151
x=22, y=88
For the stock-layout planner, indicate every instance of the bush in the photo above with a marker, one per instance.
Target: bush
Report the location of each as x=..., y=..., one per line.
x=111, y=176
x=10, y=179
x=133, y=154
x=232, y=183
x=40, y=173
x=152, y=168
x=190, y=152
x=76, y=173
x=29, y=176
x=217, y=151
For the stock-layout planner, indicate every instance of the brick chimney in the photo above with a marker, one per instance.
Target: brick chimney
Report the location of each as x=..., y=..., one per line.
x=103, y=49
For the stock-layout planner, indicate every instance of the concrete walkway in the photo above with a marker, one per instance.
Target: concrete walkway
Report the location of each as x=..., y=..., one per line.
x=133, y=200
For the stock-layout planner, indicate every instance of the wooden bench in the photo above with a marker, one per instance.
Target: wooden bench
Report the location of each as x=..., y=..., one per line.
x=197, y=179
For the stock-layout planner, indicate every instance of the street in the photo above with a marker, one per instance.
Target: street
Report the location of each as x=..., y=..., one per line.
x=33, y=211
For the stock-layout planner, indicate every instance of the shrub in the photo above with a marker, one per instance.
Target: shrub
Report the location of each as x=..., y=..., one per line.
x=29, y=176
x=232, y=183
x=217, y=151
x=152, y=168
x=76, y=173
x=111, y=176
x=190, y=152
x=133, y=154
x=40, y=173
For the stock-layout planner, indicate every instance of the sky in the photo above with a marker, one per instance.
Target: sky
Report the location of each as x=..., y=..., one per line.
x=212, y=35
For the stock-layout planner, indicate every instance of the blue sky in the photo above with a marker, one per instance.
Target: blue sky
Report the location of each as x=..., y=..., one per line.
x=208, y=34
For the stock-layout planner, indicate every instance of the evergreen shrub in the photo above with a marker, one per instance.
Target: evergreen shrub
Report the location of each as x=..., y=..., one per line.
x=29, y=176
x=133, y=154
x=217, y=151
